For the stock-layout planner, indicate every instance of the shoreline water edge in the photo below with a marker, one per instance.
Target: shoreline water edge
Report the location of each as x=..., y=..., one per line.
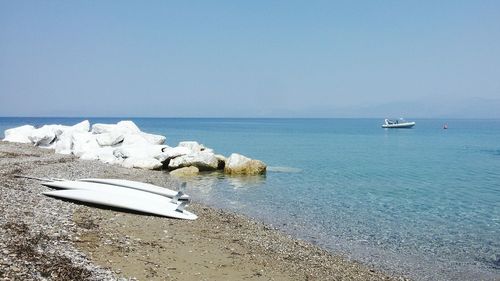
x=45, y=238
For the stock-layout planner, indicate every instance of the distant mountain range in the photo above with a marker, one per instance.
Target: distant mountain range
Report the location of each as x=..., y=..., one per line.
x=428, y=108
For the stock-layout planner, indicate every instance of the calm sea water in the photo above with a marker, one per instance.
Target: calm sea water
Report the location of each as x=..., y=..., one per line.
x=424, y=202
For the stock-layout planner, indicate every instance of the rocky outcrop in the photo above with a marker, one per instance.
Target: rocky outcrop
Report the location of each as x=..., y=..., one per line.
x=238, y=164
x=125, y=144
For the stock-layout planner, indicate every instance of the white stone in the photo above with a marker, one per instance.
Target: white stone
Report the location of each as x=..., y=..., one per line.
x=45, y=135
x=239, y=164
x=19, y=134
x=64, y=142
x=103, y=128
x=125, y=127
x=173, y=152
x=153, y=139
x=134, y=139
x=193, y=145
x=83, y=142
x=108, y=159
x=142, y=163
x=108, y=139
x=83, y=126
x=105, y=155
x=138, y=151
x=90, y=155
x=203, y=160
x=128, y=127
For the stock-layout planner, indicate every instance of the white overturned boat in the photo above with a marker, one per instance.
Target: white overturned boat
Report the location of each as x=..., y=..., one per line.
x=139, y=186
x=120, y=197
x=398, y=124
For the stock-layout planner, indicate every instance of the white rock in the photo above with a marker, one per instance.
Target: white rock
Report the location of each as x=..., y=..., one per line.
x=239, y=164
x=138, y=151
x=128, y=127
x=142, y=163
x=153, y=139
x=83, y=143
x=83, y=126
x=193, y=145
x=45, y=135
x=64, y=142
x=90, y=155
x=109, y=159
x=108, y=139
x=173, y=152
x=134, y=139
x=105, y=155
x=19, y=134
x=203, y=160
x=103, y=128
x=125, y=127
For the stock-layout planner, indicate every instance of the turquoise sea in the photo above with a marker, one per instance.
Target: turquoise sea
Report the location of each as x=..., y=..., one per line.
x=423, y=202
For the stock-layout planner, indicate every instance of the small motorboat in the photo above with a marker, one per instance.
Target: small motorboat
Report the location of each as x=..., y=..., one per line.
x=397, y=124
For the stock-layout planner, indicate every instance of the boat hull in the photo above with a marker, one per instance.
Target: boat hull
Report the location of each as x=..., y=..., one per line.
x=407, y=125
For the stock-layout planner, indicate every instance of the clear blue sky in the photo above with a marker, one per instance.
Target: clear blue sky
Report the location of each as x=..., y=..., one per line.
x=250, y=58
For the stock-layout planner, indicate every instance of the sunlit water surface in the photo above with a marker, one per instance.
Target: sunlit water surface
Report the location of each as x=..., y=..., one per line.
x=424, y=202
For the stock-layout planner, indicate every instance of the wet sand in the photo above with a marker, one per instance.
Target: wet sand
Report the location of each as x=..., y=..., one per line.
x=43, y=237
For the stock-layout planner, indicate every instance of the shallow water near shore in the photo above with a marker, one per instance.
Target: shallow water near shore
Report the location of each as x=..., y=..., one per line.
x=424, y=202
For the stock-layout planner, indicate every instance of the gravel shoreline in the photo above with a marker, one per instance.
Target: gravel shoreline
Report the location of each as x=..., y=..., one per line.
x=42, y=238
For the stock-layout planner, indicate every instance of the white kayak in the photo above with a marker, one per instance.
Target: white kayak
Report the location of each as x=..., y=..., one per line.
x=126, y=199
x=139, y=186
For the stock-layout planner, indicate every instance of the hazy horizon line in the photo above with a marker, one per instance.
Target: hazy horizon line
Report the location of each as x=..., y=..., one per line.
x=226, y=117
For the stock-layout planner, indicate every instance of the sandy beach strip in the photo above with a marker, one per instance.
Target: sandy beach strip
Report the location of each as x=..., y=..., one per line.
x=45, y=238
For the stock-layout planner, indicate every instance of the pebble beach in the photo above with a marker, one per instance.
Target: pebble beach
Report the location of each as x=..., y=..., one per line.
x=43, y=238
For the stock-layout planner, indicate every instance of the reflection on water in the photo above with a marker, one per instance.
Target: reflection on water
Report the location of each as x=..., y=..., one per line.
x=278, y=169
x=246, y=181
x=208, y=181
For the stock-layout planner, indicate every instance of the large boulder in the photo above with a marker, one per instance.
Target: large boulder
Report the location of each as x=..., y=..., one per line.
x=142, y=163
x=185, y=172
x=128, y=126
x=138, y=151
x=238, y=164
x=45, y=135
x=19, y=134
x=153, y=139
x=192, y=145
x=125, y=127
x=203, y=160
x=83, y=126
x=103, y=154
x=64, y=142
x=172, y=152
x=83, y=142
x=103, y=128
x=134, y=139
x=110, y=138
